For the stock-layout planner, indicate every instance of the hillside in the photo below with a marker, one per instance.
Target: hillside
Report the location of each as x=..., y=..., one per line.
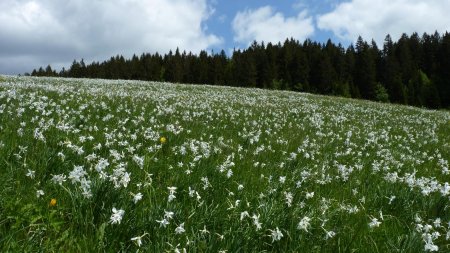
x=413, y=70
x=95, y=165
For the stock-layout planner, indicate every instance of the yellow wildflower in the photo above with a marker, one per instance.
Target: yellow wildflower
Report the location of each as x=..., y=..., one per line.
x=53, y=202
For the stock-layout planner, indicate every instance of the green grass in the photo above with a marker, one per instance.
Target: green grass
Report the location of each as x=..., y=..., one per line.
x=334, y=157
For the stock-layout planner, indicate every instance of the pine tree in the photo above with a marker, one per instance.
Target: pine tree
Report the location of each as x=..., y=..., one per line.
x=443, y=71
x=391, y=74
x=327, y=75
x=203, y=75
x=349, y=70
x=365, y=69
x=299, y=70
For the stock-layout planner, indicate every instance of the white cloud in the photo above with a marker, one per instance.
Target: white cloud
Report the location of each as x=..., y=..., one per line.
x=49, y=31
x=376, y=19
x=264, y=24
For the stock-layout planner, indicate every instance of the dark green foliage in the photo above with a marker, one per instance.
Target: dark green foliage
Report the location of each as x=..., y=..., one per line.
x=381, y=93
x=365, y=69
x=413, y=70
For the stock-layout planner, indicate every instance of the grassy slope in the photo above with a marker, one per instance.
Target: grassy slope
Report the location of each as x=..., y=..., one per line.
x=362, y=160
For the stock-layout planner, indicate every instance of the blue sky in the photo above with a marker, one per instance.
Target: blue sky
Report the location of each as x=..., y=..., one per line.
x=225, y=11
x=36, y=33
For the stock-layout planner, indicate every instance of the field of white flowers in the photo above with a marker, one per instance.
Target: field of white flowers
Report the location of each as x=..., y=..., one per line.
x=95, y=165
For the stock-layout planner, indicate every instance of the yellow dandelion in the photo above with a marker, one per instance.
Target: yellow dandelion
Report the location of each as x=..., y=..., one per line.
x=53, y=202
x=162, y=140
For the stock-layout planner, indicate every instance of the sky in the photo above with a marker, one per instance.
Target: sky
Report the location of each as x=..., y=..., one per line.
x=36, y=33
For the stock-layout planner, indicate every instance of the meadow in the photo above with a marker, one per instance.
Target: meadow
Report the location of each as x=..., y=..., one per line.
x=105, y=166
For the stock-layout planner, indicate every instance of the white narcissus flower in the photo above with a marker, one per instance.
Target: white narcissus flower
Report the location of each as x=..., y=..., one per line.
x=374, y=223
x=168, y=214
x=117, y=216
x=329, y=234
x=304, y=224
x=256, y=222
x=289, y=198
x=136, y=197
x=180, y=229
x=39, y=193
x=139, y=161
x=31, y=174
x=244, y=214
x=276, y=234
x=59, y=179
x=430, y=246
x=172, y=191
x=163, y=222
x=138, y=239
x=309, y=195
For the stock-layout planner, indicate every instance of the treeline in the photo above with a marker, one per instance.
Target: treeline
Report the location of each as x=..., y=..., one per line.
x=413, y=70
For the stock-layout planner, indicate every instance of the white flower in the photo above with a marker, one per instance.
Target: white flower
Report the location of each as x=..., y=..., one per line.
x=101, y=165
x=117, y=216
x=289, y=198
x=206, y=183
x=61, y=155
x=125, y=179
x=139, y=161
x=39, y=193
x=30, y=174
x=417, y=218
x=172, y=191
x=85, y=186
x=374, y=223
x=191, y=192
x=171, y=197
x=136, y=197
x=204, y=230
x=329, y=234
x=256, y=222
x=419, y=228
x=430, y=246
x=168, y=214
x=437, y=223
x=180, y=229
x=244, y=214
x=59, y=179
x=138, y=239
x=309, y=195
x=391, y=199
x=276, y=234
x=304, y=224
x=163, y=222
x=427, y=228
x=77, y=173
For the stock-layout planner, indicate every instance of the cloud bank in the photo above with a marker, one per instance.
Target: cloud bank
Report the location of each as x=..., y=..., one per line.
x=376, y=19
x=265, y=24
x=35, y=33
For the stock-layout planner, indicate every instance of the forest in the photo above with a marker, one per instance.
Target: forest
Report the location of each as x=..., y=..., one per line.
x=414, y=70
